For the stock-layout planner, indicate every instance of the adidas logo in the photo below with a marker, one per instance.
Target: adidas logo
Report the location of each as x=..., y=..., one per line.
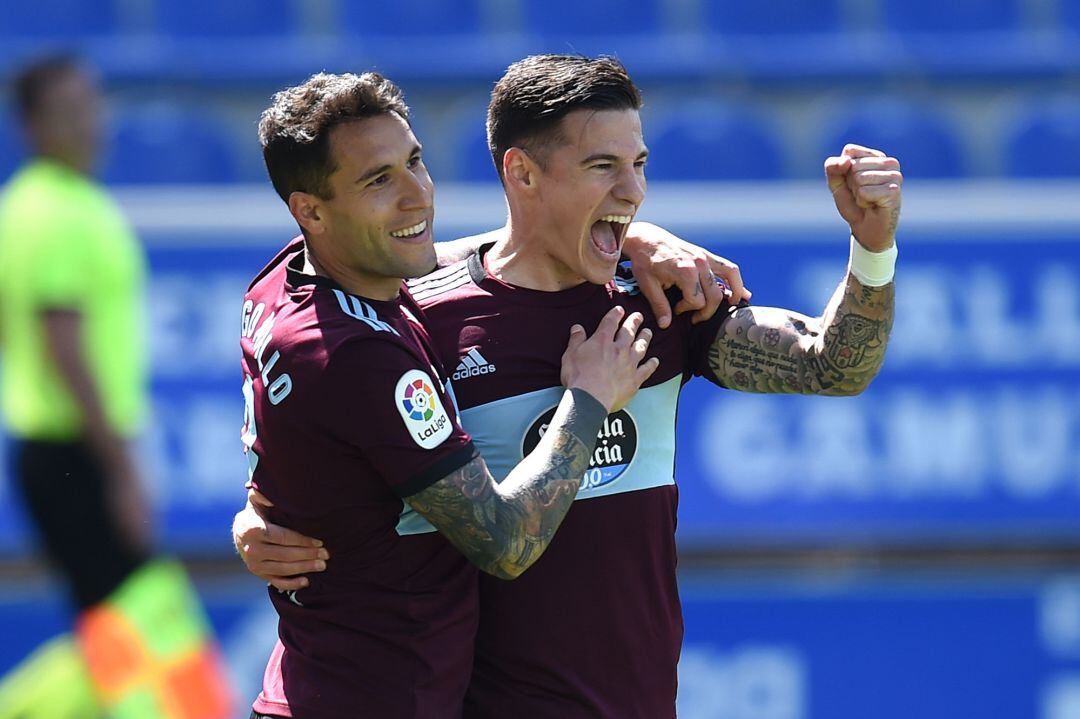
x=472, y=365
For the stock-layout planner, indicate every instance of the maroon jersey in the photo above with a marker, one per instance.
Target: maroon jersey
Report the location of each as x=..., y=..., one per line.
x=594, y=627
x=348, y=414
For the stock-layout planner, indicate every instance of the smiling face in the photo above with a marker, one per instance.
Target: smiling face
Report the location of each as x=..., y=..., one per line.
x=589, y=188
x=376, y=227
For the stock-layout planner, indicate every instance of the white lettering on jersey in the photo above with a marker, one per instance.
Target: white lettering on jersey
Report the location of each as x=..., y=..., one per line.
x=277, y=389
x=425, y=417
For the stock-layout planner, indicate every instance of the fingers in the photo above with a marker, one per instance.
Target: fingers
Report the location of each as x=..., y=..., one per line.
x=283, y=570
x=610, y=323
x=729, y=272
x=282, y=536
x=646, y=369
x=641, y=344
x=852, y=150
x=258, y=499
x=714, y=295
x=262, y=553
x=836, y=172
x=577, y=336
x=689, y=283
x=628, y=331
x=863, y=178
x=658, y=301
x=287, y=584
x=879, y=195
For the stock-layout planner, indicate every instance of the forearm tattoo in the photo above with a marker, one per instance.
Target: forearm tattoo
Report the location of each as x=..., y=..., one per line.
x=503, y=528
x=767, y=349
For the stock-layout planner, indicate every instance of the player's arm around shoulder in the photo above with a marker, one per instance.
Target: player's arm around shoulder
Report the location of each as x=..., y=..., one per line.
x=504, y=527
x=769, y=349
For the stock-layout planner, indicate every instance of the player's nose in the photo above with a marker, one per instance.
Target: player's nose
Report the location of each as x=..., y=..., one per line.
x=630, y=187
x=418, y=192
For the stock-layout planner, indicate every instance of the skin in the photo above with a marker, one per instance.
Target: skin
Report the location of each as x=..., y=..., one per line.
x=768, y=349
x=380, y=186
x=554, y=201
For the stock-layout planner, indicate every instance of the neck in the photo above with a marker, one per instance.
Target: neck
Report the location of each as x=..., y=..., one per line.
x=355, y=283
x=522, y=258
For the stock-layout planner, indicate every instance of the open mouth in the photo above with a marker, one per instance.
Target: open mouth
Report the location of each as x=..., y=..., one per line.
x=607, y=233
x=408, y=233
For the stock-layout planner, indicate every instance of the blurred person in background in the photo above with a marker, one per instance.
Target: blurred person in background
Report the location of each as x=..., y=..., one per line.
x=595, y=627
x=73, y=394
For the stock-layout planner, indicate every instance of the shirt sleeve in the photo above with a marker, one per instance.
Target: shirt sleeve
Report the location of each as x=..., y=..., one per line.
x=388, y=404
x=62, y=264
x=701, y=338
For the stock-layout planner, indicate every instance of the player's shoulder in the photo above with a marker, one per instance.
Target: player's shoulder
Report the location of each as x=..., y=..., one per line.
x=275, y=270
x=445, y=284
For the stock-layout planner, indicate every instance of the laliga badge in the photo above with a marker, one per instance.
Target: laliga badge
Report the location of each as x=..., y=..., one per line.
x=425, y=417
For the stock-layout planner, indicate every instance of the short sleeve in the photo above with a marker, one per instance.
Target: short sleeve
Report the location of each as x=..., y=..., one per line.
x=61, y=256
x=701, y=339
x=384, y=401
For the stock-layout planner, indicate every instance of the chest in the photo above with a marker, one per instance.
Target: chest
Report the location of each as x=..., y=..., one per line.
x=493, y=353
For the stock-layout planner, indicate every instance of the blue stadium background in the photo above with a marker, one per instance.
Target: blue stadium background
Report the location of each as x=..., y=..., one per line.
x=911, y=552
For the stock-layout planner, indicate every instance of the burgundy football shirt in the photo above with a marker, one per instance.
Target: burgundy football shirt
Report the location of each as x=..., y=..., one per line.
x=594, y=627
x=348, y=414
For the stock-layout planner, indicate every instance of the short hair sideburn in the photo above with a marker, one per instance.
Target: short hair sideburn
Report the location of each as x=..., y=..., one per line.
x=295, y=130
x=536, y=93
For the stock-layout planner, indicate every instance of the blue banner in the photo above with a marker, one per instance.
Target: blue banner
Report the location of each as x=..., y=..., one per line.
x=885, y=645
x=971, y=430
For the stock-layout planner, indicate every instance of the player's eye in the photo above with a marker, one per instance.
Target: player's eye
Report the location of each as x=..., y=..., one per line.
x=603, y=166
x=380, y=180
x=415, y=161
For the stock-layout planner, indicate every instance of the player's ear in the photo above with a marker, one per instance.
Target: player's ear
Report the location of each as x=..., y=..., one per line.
x=519, y=169
x=306, y=209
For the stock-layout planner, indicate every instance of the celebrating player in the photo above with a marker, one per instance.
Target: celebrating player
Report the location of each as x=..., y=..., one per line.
x=351, y=429
x=595, y=628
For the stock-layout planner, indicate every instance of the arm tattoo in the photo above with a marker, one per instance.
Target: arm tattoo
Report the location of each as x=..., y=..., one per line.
x=504, y=527
x=767, y=349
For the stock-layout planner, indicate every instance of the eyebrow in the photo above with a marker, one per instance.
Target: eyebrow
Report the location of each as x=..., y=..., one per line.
x=612, y=158
x=375, y=172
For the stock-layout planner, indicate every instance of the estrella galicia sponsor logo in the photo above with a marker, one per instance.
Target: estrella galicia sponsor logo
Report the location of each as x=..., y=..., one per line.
x=425, y=418
x=616, y=444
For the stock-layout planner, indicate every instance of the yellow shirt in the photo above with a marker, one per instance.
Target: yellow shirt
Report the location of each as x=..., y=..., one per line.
x=65, y=245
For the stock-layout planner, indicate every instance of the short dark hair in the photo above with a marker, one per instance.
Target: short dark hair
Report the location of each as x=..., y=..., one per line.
x=295, y=130
x=536, y=93
x=34, y=81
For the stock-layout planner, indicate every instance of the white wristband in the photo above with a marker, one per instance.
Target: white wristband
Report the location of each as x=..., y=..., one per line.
x=872, y=269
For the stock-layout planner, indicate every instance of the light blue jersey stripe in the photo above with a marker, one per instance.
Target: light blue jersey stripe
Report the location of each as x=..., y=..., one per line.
x=635, y=449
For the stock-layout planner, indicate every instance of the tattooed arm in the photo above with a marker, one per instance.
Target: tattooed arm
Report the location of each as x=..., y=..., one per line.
x=767, y=349
x=504, y=527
